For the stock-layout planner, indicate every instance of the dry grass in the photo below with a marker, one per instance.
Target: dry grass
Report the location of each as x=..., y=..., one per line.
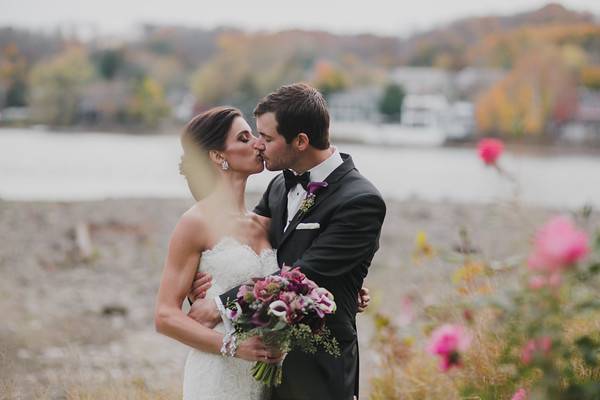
x=132, y=390
x=128, y=390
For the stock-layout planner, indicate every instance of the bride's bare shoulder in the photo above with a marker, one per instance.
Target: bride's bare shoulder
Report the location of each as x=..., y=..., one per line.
x=192, y=226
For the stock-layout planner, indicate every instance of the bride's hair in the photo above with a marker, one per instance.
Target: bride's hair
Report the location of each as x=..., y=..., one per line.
x=209, y=129
x=205, y=132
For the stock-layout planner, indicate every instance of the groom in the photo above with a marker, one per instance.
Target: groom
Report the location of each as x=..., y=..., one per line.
x=332, y=240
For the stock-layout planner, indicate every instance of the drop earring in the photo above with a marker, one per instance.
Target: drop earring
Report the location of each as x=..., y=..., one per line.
x=224, y=165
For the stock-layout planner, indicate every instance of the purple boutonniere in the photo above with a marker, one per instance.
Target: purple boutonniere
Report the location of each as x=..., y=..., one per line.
x=309, y=200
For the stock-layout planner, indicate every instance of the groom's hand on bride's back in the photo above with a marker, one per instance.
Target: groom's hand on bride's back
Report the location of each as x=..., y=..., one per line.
x=205, y=312
x=363, y=299
x=202, y=282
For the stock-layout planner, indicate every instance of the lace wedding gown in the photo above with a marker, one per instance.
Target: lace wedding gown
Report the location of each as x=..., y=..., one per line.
x=210, y=376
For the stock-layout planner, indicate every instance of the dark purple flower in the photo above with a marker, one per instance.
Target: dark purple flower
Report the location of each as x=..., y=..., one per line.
x=313, y=187
x=261, y=318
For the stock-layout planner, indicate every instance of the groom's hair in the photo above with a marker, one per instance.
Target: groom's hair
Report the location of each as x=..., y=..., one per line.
x=298, y=108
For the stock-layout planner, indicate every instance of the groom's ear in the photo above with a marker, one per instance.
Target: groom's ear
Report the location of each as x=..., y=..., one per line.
x=302, y=141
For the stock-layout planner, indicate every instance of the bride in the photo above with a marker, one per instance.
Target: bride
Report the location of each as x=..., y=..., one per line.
x=218, y=236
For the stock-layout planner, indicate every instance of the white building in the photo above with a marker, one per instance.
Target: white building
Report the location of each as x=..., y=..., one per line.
x=423, y=80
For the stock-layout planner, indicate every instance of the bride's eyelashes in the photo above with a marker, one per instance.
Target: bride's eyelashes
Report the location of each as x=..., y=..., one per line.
x=244, y=137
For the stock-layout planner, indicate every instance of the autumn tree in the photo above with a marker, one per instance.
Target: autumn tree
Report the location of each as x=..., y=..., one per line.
x=539, y=91
x=13, y=77
x=328, y=78
x=147, y=105
x=56, y=86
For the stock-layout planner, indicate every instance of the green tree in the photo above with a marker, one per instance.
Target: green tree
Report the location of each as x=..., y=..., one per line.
x=13, y=77
x=109, y=62
x=390, y=104
x=56, y=86
x=148, y=105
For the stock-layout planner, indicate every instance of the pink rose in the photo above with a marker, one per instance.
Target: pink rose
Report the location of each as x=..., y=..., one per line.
x=520, y=394
x=448, y=341
x=558, y=245
x=266, y=289
x=489, y=150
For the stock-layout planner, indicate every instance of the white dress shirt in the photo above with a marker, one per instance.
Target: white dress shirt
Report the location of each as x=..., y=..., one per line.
x=317, y=174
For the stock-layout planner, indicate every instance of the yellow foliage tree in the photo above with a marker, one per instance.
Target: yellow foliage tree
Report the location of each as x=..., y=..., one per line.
x=590, y=76
x=327, y=78
x=13, y=76
x=148, y=104
x=528, y=98
x=56, y=86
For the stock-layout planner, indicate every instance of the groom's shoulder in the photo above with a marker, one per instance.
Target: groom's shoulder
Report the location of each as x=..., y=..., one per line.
x=355, y=183
x=276, y=181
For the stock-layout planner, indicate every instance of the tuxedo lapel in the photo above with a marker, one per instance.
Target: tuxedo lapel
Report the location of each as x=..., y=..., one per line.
x=334, y=183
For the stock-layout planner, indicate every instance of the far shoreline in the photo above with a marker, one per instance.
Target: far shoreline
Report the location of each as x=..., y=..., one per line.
x=515, y=146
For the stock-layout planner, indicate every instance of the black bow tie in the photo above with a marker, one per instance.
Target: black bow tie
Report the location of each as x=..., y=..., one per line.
x=291, y=179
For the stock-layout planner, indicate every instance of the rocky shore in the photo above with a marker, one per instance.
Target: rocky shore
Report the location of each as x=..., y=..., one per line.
x=79, y=279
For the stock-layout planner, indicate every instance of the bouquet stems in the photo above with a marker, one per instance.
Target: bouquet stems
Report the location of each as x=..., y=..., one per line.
x=268, y=374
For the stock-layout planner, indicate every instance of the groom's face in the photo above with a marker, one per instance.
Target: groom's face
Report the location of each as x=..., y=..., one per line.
x=276, y=152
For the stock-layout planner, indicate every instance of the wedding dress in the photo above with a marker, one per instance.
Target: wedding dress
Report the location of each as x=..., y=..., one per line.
x=210, y=376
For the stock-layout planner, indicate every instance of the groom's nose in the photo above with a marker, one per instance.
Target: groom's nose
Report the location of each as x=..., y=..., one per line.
x=259, y=144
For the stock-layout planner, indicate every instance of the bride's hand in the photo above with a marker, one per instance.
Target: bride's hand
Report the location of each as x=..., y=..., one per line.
x=254, y=349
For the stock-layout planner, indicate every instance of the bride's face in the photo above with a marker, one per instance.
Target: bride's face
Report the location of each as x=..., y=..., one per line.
x=240, y=151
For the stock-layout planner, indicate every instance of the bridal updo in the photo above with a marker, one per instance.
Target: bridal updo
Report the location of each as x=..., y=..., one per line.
x=205, y=132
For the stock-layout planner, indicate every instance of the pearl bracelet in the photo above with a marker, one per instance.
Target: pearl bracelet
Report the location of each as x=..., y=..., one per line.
x=229, y=347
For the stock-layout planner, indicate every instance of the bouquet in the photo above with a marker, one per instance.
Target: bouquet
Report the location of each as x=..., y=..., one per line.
x=288, y=312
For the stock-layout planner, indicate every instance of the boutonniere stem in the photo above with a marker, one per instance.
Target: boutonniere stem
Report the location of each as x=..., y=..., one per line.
x=311, y=195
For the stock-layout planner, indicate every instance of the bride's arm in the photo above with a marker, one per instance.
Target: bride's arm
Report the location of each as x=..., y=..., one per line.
x=182, y=260
x=185, y=246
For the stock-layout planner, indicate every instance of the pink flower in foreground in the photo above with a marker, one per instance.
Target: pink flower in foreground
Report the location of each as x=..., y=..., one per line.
x=533, y=347
x=407, y=313
x=537, y=282
x=520, y=394
x=527, y=352
x=448, y=341
x=489, y=150
x=558, y=245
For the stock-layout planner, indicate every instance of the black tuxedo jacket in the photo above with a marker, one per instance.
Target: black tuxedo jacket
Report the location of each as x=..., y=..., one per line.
x=336, y=255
